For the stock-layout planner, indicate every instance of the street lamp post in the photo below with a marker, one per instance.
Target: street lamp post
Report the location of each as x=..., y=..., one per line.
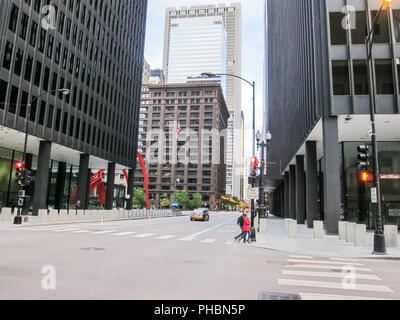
x=253, y=84
x=262, y=142
x=18, y=217
x=379, y=237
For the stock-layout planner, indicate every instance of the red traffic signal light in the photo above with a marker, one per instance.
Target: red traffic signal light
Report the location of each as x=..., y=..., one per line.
x=366, y=176
x=19, y=165
x=254, y=161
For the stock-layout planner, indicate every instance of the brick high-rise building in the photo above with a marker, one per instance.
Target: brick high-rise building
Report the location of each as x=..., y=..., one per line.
x=201, y=111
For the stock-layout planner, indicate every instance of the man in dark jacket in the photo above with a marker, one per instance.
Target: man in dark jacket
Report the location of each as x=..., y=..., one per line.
x=240, y=222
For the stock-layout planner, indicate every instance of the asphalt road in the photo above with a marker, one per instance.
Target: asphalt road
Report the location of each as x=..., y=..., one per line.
x=170, y=259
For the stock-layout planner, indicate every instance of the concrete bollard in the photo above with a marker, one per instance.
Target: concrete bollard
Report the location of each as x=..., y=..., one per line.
x=263, y=225
x=360, y=235
x=391, y=236
x=6, y=215
x=350, y=231
x=292, y=228
x=286, y=222
x=318, y=229
x=342, y=230
x=52, y=216
x=42, y=216
x=63, y=216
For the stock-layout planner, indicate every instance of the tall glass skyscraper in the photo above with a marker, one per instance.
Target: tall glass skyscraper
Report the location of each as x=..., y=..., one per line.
x=208, y=39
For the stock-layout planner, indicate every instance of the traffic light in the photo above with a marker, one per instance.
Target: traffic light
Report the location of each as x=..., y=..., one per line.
x=27, y=178
x=253, y=166
x=366, y=177
x=20, y=170
x=363, y=157
x=253, y=170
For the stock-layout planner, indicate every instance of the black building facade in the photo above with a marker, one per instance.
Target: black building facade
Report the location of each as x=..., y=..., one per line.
x=95, y=49
x=318, y=108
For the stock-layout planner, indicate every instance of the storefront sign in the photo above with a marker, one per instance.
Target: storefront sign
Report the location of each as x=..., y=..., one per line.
x=394, y=212
x=390, y=176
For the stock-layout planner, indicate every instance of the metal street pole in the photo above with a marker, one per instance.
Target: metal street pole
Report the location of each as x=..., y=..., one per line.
x=379, y=237
x=253, y=84
x=21, y=202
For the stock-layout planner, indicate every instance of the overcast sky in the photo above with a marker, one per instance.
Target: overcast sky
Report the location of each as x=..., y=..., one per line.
x=252, y=50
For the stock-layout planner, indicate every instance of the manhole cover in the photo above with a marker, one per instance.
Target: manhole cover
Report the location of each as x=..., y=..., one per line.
x=277, y=296
x=194, y=261
x=92, y=249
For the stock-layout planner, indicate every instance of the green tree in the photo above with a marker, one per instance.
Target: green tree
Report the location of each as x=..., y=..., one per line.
x=182, y=197
x=139, y=198
x=165, y=203
x=197, y=201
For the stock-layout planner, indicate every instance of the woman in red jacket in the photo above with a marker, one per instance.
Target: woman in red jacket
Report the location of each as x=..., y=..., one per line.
x=246, y=228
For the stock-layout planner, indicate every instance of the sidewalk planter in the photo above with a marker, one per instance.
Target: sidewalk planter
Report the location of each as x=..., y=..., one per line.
x=318, y=229
x=360, y=235
x=342, y=230
x=53, y=216
x=391, y=236
x=63, y=216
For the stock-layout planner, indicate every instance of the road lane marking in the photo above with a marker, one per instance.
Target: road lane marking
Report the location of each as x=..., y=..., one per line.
x=144, y=235
x=325, y=262
x=166, y=237
x=104, y=232
x=81, y=231
x=301, y=257
x=324, y=267
x=334, y=285
x=229, y=242
x=193, y=236
x=187, y=239
x=127, y=233
x=209, y=240
x=320, y=296
x=329, y=274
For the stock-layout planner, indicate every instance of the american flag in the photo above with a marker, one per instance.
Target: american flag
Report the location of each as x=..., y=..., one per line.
x=178, y=131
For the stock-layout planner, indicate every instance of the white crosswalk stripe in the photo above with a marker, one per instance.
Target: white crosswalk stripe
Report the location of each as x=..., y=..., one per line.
x=144, y=235
x=64, y=230
x=81, y=231
x=304, y=266
x=121, y=234
x=186, y=239
x=328, y=274
x=166, y=237
x=208, y=240
x=341, y=274
x=334, y=285
x=104, y=232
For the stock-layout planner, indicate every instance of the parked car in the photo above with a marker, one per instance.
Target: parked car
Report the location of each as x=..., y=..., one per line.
x=200, y=215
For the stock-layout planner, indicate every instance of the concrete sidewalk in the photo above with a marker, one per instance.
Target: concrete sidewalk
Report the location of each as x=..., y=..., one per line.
x=305, y=244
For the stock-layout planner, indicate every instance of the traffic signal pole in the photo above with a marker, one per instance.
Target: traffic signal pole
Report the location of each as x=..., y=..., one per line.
x=379, y=237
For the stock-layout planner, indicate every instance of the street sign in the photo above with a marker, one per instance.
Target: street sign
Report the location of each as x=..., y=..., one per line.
x=374, y=195
x=253, y=193
x=20, y=202
x=390, y=176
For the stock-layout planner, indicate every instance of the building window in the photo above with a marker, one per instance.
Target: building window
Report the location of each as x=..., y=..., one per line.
x=23, y=28
x=19, y=57
x=384, y=77
x=338, y=33
x=13, y=99
x=3, y=93
x=7, y=55
x=340, y=78
x=361, y=86
x=12, y=24
x=382, y=28
x=359, y=34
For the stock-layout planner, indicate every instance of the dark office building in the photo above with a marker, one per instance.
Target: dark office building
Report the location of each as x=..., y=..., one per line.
x=94, y=48
x=202, y=114
x=318, y=109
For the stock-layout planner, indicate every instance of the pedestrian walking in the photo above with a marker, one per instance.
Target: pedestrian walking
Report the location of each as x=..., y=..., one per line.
x=246, y=228
x=240, y=221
